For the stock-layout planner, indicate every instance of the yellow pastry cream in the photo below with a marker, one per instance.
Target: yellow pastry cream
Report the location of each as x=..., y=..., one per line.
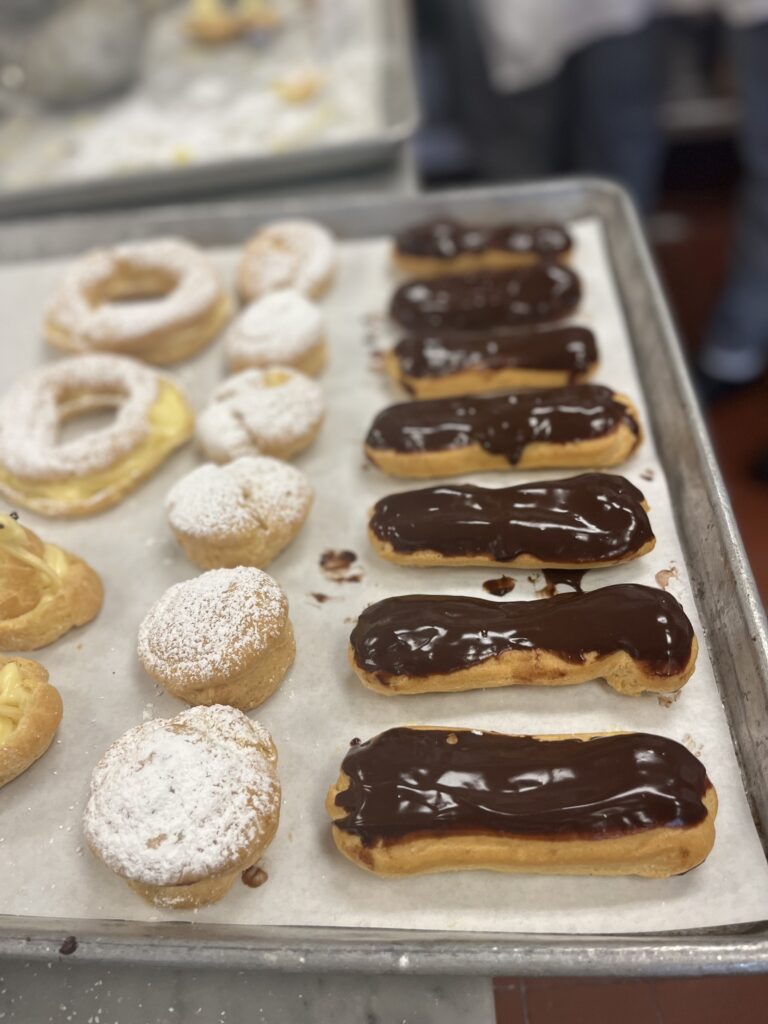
x=170, y=423
x=30, y=571
x=14, y=694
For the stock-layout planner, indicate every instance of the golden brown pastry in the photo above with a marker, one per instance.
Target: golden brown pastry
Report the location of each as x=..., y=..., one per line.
x=298, y=254
x=220, y=21
x=446, y=246
x=30, y=712
x=220, y=638
x=277, y=411
x=98, y=469
x=584, y=425
x=180, y=807
x=44, y=590
x=442, y=364
x=581, y=522
x=638, y=639
x=420, y=799
x=159, y=300
x=242, y=513
x=280, y=329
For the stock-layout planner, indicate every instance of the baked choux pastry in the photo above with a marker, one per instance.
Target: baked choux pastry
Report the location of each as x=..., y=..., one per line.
x=44, y=590
x=486, y=301
x=422, y=799
x=219, y=21
x=584, y=425
x=243, y=513
x=582, y=522
x=220, y=638
x=280, y=329
x=30, y=712
x=638, y=639
x=298, y=254
x=98, y=469
x=160, y=301
x=179, y=807
x=447, y=246
x=275, y=412
x=445, y=365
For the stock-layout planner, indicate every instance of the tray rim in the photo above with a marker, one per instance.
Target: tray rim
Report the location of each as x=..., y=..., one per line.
x=327, y=159
x=725, y=949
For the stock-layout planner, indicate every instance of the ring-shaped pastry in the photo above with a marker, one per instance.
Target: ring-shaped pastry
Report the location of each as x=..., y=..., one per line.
x=299, y=254
x=159, y=300
x=96, y=470
x=30, y=712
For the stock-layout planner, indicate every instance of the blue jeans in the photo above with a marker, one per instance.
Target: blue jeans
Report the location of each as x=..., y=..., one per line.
x=736, y=348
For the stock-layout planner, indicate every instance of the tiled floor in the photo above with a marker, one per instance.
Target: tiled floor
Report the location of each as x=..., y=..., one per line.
x=689, y=1001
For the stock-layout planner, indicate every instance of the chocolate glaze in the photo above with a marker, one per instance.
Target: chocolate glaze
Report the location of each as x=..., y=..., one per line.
x=501, y=424
x=571, y=350
x=593, y=517
x=499, y=586
x=554, y=578
x=418, y=635
x=503, y=298
x=445, y=239
x=407, y=782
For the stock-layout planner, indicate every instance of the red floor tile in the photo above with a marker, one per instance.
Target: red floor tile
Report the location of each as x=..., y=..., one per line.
x=568, y=1001
x=508, y=995
x=741, y=1000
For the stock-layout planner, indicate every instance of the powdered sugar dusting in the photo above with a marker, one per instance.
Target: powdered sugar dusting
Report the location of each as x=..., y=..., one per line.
x=195, y=290
x=212, y=627
x=259, y=411
x=279, y=328
x=173, y=801
x=298, y=254
x=32, y=411
x=254, y=492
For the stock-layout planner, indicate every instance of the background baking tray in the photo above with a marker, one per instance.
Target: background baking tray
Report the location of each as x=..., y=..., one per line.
x=721, y=579
x=399, y=98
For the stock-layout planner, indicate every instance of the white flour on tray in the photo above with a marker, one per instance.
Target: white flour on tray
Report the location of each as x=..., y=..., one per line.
x=46, y=870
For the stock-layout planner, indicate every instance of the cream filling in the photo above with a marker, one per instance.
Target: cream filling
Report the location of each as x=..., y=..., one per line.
x=169, y=421
x=13, y=696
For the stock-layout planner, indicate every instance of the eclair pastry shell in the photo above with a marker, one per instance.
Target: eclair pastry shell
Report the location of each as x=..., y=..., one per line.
x=41, y=710
x=655, y=853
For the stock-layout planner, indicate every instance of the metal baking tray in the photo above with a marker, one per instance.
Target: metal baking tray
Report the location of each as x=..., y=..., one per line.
x=400, y=119
x=722, y=582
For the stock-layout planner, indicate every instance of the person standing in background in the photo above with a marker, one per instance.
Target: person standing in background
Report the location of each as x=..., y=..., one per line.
x=574, y=86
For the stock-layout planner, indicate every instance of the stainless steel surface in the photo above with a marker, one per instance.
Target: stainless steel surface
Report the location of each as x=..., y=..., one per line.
x=263, y=172
x=722, y=582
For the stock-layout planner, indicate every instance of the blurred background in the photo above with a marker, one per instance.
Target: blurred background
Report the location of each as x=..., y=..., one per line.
x=112, y=102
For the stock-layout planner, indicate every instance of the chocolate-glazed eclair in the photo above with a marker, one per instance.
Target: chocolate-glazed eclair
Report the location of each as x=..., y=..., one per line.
x=481, y=302
x=580, y=522
x=420, y=799
x=638, y=639
x=447, y=246
x=584, y=425
x=443, y=364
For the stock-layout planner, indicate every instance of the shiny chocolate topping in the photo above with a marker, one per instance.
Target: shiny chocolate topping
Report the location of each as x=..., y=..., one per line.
x=418, y=635
x=593, y=517
x=409, y=781
x=503, y=424
x=569, y=349
x=445, y=239
x=504, y=298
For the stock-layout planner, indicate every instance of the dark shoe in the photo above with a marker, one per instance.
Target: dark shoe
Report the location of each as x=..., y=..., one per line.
x=710, y=390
